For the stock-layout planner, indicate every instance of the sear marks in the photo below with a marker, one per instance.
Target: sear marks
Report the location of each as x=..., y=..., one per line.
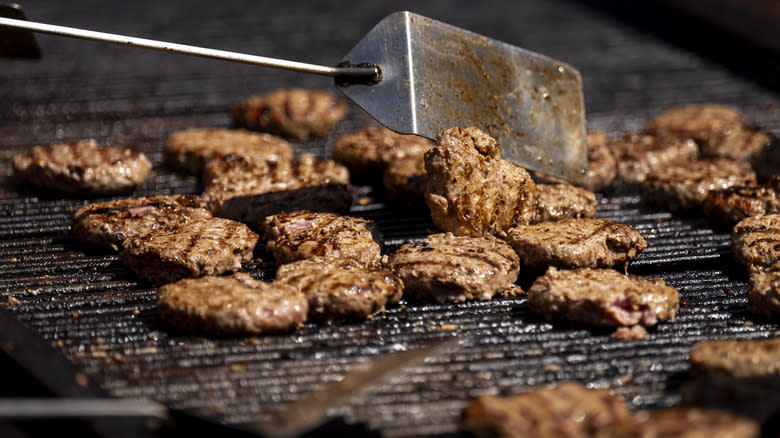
x=203, y=247
x=685, y=422
x=295, y=113
x=602, y=298
x=735, y=203
x=84, y=168
x=576, y=243
x=109, y=224
x=471, y=191
x=190, y=150
x=341, y=288
x=602, y=166
x=233, y=305
x=448, y=268
x=755, y=242
x=639, y=154
x=563, y=201
x=569, y=410
x=404, y=180
x=303, y=234
x=684, y=185
x=368, y=151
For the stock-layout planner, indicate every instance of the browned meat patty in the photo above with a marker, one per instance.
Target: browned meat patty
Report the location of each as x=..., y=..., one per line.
x=341, y=288
x=191, y=149
x=300, y=235
x=570, y=410
x=684, y=185
x=685, y=422
x=576, y=243
x=84, y=168
x=764, y=293
x=248, y=190
x=204, y=247
x=602, y=166
x=368, y=151
x=755, y=241
x=404, y=180
x=737, y=358
x=639, y=154
x=234, y=305
x=735, y=203
x=444, y=267
x=471, y=191
x=563, y=201
x=295, y=113
x=602, y=298
x=109, y=224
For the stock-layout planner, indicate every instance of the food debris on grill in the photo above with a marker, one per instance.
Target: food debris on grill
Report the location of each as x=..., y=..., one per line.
x=576, y=243
x=602, y=298
x=231, y=305
x=109, y=224
x=404, y=180
x=449, y=268
x=189, y=150
x=563, y=201
x=471, y=191
x=639, y=154
x=735, y=203
x=295, y=113
x=341, y=288
x=685, y=422
x=84, y=168
x=633, y=333
x=303, y=234
x=209, y=246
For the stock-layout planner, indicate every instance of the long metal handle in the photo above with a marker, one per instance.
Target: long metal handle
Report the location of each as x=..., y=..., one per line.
x=363, y=73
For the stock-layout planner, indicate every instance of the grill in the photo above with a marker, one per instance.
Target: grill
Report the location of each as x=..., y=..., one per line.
x=94, y=317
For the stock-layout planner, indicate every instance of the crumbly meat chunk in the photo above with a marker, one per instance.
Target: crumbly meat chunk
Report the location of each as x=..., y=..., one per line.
x=602, y=166
x=108, y=224
x=231, y=305
x=569, y=410
x=341, y=288
x=471, y=191
x=204, y=247
x=296, y=113
x=684, y=185
x=755, y=241
x=685, y=422
x=735, y=203
x=633, y=333
x=368, y=151
x=602, y=298
x=576, y=243
x=445, y=267
x=639, y=154
x=84, y=168
x=563, y=201
x=189, y=150
x=404, y=180
x=300, y=235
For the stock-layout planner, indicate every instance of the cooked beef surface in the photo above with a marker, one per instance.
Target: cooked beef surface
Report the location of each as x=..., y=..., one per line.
x=341, y=288
x=686, y=422
x=232, y=305
x=575, y=243
x=639, y=154
x=191, y=149
x=404, y=180
x=445, y=267
x=737, y=358
x=84, y=168
x=296, y=113
x=368, y=151
x=755, y=241
x=471, y=191
x=108, y=224
x=563, y=201
x=764, y=293
x=303, y=234
x=570, y=410
x=602, y=166
x=207, y=246
x=684, y=185
x=735, y=203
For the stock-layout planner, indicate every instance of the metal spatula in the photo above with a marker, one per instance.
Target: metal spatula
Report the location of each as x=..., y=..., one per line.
x=420, y=76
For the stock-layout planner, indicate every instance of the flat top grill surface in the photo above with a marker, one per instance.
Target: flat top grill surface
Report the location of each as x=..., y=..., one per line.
x=93, y=311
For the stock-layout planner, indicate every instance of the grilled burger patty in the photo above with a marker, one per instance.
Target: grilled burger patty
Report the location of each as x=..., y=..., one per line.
x=404, y=180
x=735, y=203
x=685, y=422
x=341, y=288
x=602, y=166
x=233, y=305
x=602, y=297
x=368, y=151
x=764, y=292
x=296, y=113
x=563, y=201
x=108, y=224
x=83, y=167
x=575, y=243
x=445, y=267
x=755, y=241
x=639, y=154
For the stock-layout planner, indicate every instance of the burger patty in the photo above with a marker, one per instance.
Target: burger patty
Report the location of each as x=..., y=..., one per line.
x=295, y=113
x=404, y=180
x=109, y=224
x=755, y=241
x=685, y=422
x=567, y=410
x=639, y=154
x=602, y=166
x=234, y=305
x=575, y=243
x=471, y=191
x=206, y=246
x=764, y=293
x=445, y=267
x=602, y=298
x=368, y=151
x=563, y=201
x=684, y=185
x=735, y=203
x=190, y=150
x=298, y=235
x=341, y=288
x=83, y=168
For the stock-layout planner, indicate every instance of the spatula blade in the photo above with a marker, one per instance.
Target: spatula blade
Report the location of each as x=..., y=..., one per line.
x=436, y=76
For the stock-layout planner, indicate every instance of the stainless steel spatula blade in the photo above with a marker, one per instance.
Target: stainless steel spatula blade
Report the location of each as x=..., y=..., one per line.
x=436, y=76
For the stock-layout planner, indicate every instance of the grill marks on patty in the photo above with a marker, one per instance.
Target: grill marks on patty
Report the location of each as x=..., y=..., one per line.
x=755, y=242
x=735, y=203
